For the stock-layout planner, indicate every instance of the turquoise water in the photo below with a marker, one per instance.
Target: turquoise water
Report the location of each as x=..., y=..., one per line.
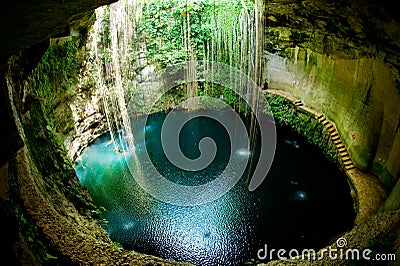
x=305, y=201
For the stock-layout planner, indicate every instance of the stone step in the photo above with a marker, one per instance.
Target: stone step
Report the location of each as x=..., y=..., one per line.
x=341, y=147
x=325, y=122
x=320, y=116
x=331, y=130
x=349, y=167
x=346, y=158
x=330, y=127
x=337, y=142
x=334, y=134
x=344, y=153
x=349, y=162
x=335, y=137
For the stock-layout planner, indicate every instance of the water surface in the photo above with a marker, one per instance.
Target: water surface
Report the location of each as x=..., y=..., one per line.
x=304, y=202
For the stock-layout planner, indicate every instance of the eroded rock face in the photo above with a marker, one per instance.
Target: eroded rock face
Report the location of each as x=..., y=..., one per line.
x=89, y=120
x=359, y=95
x=342, y=59
x=344, y=29
x=24, y=23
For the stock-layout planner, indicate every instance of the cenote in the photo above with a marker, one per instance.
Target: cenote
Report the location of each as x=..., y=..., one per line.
x=303, y=203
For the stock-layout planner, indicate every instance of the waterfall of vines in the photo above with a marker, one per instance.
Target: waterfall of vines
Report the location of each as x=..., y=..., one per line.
x=131, y=34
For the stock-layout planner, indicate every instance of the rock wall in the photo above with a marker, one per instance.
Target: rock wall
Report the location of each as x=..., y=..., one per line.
x=359, y=95
x=25, y=23
x=341, y=58
x=86, y=112
x=49, y=186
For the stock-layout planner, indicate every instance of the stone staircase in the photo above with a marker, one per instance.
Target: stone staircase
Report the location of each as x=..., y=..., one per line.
x=343, y=154
x=298, y=103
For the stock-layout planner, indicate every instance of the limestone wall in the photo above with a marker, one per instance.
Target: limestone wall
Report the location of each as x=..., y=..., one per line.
x=359, y=95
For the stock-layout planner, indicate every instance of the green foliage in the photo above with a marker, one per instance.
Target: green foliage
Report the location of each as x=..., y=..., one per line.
x=60, y=148
x=176, y=30
x=50, y=257
x=53, y=78
x=177, y=95
x=172, y=30
x=252, y=262
x=51, y=159
x=30, y=233
x=286, y=114
x=49, y=85
x=98, y=213
x=230, y=32
x=117, y=245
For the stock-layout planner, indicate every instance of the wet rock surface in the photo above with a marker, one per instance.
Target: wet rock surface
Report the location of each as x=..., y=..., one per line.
x=338, y=28
x=26, y=23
